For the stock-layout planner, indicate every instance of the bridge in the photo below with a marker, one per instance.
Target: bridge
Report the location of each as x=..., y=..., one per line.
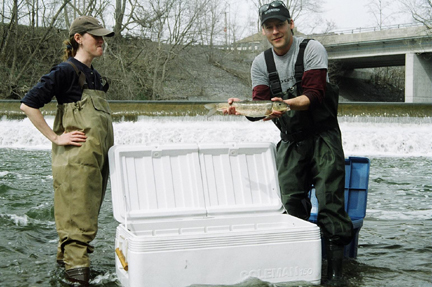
x=409, y=46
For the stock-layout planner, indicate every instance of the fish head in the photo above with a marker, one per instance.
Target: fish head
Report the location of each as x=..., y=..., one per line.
x=280, y=106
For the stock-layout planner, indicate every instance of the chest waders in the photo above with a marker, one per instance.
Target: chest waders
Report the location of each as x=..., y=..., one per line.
x=80, y=174
x=310, y=154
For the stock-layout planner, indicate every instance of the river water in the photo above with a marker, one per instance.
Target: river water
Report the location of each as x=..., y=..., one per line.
x=395, y=242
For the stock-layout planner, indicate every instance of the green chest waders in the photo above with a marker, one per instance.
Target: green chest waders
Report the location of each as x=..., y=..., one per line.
x=80, y=175
x=311, y=153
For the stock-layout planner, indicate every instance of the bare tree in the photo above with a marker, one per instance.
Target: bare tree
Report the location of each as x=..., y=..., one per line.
x=174, y=32
x=14, y=20
x=94, y=8
x=381, y=10
x=21, y=42
x=421, y=11
x=298, y=8
x=7, y=31
x=54, y=19
x=152, y=36
x=120, y=8
x=210, y=26
x=301, y=11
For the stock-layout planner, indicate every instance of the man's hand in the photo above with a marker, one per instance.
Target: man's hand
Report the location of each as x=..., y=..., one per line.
x=277, y=99
x=300, y=103
x=275, y=114
x=231, y=110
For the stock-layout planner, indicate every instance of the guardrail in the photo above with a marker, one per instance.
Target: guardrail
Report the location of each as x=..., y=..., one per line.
x=254, y=46
x=371, y=29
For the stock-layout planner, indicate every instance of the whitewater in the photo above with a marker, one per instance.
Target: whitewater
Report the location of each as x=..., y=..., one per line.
x=361, y=136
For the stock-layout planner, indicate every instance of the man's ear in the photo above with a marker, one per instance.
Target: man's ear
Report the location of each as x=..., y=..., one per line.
x=291, y=23
x=262, y=30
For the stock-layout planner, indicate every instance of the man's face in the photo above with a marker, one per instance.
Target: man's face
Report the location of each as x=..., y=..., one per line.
x=279, y=34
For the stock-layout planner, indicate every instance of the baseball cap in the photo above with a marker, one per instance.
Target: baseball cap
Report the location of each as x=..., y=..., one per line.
x=88, y=24
x=274, y=10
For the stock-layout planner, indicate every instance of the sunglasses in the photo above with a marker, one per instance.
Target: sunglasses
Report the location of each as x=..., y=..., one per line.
x=273, y=4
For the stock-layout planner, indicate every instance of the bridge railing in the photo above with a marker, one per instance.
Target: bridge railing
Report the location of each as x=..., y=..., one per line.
x=371, y=29
x=255, y=46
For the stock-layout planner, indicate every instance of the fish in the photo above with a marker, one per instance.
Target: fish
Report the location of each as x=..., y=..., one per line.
x=249, y=108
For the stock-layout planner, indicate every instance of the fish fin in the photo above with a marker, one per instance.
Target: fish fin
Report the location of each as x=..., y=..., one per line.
x=212, y=109
x=211, y=112
x=210, y=106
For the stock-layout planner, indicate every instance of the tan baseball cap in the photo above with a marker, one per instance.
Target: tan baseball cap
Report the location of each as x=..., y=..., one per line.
x=88, y=24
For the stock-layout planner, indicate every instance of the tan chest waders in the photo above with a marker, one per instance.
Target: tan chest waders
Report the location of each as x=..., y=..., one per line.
x=80, y=175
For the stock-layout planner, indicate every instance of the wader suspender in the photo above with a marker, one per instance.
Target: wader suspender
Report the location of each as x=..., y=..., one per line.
x=275, y=85
x=299, y=67
x=82, y=79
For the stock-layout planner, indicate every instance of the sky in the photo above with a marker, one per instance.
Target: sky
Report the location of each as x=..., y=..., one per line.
x=346, y=14
x=351, y=14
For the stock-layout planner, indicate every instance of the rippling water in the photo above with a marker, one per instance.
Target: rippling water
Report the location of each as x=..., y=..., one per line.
x=394, y=244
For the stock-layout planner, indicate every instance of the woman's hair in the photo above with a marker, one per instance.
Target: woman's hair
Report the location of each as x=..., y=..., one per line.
x=71, y=48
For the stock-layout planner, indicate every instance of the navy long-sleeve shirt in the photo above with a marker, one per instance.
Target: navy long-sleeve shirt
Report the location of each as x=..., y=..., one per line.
x=62, y=82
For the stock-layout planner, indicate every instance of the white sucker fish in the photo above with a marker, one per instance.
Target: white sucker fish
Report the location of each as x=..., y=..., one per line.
x=249, y=108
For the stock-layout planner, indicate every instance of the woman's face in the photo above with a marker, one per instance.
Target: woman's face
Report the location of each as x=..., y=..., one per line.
x=89, y=44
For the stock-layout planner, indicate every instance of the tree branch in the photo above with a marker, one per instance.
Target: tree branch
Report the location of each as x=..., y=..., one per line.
x=41, y=40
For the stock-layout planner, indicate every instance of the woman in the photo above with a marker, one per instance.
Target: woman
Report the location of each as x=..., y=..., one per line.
x=81, y=136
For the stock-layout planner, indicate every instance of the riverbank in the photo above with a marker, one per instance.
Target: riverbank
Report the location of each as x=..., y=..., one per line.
x=129, y=110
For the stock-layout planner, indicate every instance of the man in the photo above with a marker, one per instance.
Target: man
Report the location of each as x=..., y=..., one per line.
x=310, y=151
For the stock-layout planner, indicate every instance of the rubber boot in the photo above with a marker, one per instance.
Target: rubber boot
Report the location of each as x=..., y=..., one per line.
x=335, y=255
x=78, y=275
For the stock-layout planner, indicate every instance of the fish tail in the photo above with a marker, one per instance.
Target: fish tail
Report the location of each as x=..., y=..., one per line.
x=212, y=109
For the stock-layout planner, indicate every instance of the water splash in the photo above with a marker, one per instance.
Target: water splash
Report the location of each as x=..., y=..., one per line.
x=362, y=136
x=19, y=220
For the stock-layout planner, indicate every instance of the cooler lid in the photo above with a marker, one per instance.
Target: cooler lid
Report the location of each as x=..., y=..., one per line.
x=240, y=178
x=153, y=182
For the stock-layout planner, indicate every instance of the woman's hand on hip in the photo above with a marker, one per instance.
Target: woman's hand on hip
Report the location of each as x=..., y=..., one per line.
x=74, y=138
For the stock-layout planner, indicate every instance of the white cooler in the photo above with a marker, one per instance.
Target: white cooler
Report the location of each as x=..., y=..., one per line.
x=206, y=214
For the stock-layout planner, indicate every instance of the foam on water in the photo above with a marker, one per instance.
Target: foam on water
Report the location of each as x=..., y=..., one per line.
x=17, y=219
x=103, y=278
x=399, y=215
x=3, y=173
x=362, y=136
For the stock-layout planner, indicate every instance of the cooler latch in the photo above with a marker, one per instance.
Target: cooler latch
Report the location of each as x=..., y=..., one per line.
x=233, y=150
x=156, y=153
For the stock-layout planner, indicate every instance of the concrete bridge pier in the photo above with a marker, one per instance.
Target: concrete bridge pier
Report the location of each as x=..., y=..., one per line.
x=418, y=78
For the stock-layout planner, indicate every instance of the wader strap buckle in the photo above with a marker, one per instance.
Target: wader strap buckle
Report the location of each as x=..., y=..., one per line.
x=78, y=105
x=275, y=84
